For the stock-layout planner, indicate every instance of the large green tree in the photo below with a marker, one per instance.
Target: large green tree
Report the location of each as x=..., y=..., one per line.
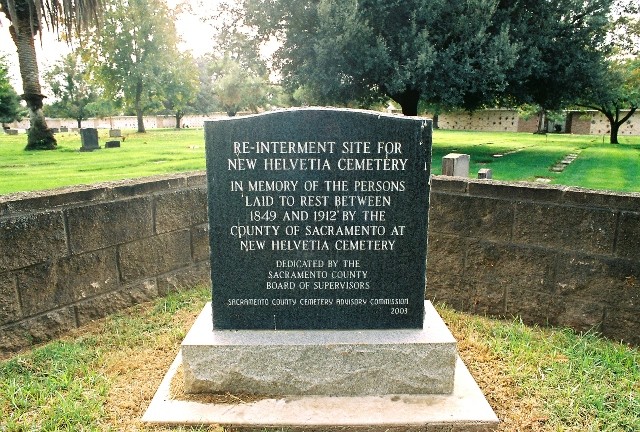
x=72, y=85
x=614, y=89
x=616, y=94
x=10, y=109
x=450, y=53
x=236, y=88
x=132, y=52
x=562, y=44
x=27, y=19
x=180, y=87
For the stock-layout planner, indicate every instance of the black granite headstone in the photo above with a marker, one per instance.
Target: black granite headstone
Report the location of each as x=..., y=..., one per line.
x=89, y=139
x=318, y=219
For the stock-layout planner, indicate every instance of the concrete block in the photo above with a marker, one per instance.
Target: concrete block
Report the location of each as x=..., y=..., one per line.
x=106, y=304
x=60, y=282
x=456, y=165
x=37, y=330
x=155, y=255
x=471, y=216
x=199, y=274
x=506, y=265
x=181, y=209
x=200, y=242
x=96, y=226
x=601, y=199
x=622, y=325
x=148, y=185
x=440, y=183
x=320, y=362
x=628, y=242
x=597, y=279
x=31, y=239
x=445, y=268
x=9, y=302
x=563, y=227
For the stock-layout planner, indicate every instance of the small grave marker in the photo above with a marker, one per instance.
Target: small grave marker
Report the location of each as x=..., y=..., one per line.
x=455, y=164
x=89, y=139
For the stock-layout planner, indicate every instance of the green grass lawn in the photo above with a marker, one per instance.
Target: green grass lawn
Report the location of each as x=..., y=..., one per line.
x=525, y=157
x=156, y=152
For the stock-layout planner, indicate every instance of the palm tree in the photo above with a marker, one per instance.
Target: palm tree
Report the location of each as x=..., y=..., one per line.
x=27, y=19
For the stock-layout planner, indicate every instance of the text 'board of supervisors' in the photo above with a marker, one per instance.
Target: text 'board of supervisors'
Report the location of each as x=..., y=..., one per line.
x=318, y=219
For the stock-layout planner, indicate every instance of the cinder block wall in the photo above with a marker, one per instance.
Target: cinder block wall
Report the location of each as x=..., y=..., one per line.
x=551, y=255
x=70, y=257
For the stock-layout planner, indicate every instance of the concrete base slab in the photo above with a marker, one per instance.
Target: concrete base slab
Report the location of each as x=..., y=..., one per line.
x=320, y=362
x=466, y=409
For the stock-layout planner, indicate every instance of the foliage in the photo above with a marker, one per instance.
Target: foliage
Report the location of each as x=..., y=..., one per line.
x=346, y=51
x=180, y=86
x=27, y=18
x=132, y=52
x=577, y=382
x=10, y=109
x=561, y=43
x=236, y=88
x=617, y=89
x=77, y=95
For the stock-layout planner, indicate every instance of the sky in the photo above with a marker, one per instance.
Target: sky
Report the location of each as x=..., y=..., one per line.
x=190, y=28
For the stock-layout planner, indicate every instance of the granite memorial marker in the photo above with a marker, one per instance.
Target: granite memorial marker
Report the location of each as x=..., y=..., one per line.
x=89, y=139
x=318, y=219
x=318, y=229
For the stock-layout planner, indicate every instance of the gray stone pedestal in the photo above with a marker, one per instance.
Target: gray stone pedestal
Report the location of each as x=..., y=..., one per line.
x=320, y=362
x=404, y=380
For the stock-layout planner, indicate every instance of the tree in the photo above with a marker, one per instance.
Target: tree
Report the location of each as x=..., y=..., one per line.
x=27, y=18
x=615, y=83
x=131, y=52
x=562, y=43
x=180, y=85
x=10, y=109
x=450, y=53
x=617, y=90
x=71, y=83
x=236, y=88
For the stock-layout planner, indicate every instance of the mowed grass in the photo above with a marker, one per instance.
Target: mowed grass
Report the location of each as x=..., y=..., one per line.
x=140, y=155
x=510, y=156
x=103, y=377
x=528, y=157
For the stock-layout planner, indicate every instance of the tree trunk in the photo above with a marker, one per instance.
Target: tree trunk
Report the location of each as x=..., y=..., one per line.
x=542, y=122
x=79, y=121
x=616, y=122
x=40, y=137
x=179, y=116
x=138, y=107
x=408, y=101
x=613, y=135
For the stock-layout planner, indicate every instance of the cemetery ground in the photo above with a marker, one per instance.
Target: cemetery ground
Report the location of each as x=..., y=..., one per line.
x=103, y=376
x=573, y=160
